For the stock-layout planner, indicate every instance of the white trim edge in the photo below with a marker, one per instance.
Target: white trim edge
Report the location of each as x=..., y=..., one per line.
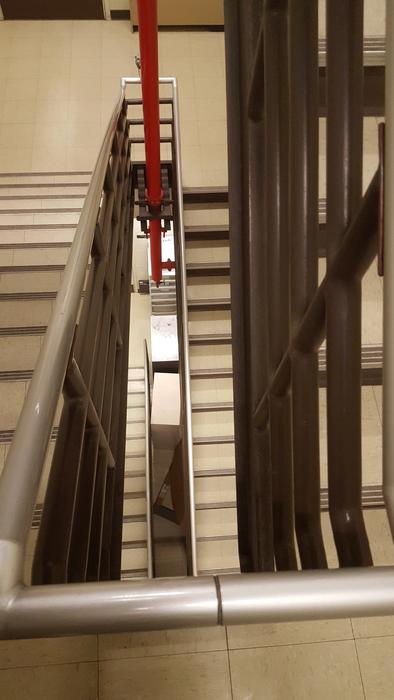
x=106, y=9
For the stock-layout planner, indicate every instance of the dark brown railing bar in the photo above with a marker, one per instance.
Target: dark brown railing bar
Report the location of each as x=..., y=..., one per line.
x=304, y=226
x=343, y=298
x=276, y=108
x=261, y=527
x=283, y=311
x=246, y=148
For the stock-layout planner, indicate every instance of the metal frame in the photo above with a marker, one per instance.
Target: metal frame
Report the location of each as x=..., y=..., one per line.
x=162, y=604
x=148, y=462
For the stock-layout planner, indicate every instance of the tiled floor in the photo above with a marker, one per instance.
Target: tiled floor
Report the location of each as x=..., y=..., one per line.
x=58, y=83
x=346, y=658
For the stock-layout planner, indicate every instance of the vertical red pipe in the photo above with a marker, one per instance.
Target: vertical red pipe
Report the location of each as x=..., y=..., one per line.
x=147, y=18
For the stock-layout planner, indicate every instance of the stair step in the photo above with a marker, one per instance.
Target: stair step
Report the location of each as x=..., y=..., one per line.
x=211, y=407
x=206, y=233
x=210, y=338
x=130, y=574
x=33, y=312
x=19, y=353
x=217, y=554
x=209, y=304
x=207, y=269
x=214, y=372
x=207, y=196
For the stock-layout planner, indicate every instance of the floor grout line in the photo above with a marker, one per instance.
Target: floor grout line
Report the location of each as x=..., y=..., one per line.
x=229, y=664
x=358, y=660
x=98, y=667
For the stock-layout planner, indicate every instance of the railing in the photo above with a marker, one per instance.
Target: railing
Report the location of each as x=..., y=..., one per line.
x=199, y=601
x=80, y=533
x=25, y=461
x=148, y=461
x=280, y=316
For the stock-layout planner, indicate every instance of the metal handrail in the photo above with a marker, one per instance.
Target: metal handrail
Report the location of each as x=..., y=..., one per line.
x=22, y=472
x=148, y=462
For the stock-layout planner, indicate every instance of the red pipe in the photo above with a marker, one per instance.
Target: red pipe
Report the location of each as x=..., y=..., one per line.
x=147, y=18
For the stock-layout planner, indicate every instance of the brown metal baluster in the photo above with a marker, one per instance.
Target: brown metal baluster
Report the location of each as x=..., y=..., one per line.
x=276, y=105
x=236, y=90
x=303, y=224
x=343, y=297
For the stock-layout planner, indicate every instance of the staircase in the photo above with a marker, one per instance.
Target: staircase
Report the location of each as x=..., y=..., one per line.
x=208, y=290
x=38, y=217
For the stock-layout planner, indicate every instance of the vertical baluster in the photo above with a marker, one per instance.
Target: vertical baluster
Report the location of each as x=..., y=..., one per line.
x=343, y=297
x=303, y=225
x=276, y=106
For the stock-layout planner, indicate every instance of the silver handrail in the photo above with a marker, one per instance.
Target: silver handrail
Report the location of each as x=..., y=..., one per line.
x=148, y=463
x=181, y=271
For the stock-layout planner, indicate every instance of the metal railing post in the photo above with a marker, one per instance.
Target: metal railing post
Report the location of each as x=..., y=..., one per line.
x=276, y=168
x=343, y=298
x=304, y=227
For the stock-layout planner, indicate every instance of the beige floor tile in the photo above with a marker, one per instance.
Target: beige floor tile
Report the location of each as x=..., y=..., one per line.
x=323, y=671
x=17, y=112
x=15, y=159
x=373, y=626
x=287, y=633
x=78, y=681
x=43, y=652
x=184, y=676
x=16, y=136
x=162, y=643
x=376, y=664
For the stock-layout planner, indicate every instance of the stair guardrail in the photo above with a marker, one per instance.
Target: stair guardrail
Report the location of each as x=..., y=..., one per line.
x=115, y=606
x=148, y=461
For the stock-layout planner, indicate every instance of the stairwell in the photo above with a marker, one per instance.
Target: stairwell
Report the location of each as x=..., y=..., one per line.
x=38, y=215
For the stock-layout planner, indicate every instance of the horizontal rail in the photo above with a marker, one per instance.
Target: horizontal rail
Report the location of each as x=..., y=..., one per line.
x=148, y=461
x=90, y=608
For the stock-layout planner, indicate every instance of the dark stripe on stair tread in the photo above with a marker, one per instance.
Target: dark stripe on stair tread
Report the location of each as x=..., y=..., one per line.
x=27, y=245
x=54, y=210
x=10, y=197
x=23, y=330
